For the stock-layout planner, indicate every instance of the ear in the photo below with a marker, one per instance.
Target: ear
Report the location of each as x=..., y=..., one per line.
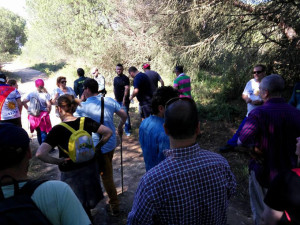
x=28, y=153
x=161, y=110
x=166, y=130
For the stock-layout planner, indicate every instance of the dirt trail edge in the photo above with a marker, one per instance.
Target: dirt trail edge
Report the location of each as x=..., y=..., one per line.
x=133, y=164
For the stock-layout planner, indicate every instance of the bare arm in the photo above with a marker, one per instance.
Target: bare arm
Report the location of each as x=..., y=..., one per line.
x=271, y=216
x=162, y=82
x=134, y=93
x=126, y=93
x=19, y=104
x=106, y=133
x=123, y=116
x=53, y=101
x=43, y=154
x=24, y=102
x=248, y=100
x=49, y=106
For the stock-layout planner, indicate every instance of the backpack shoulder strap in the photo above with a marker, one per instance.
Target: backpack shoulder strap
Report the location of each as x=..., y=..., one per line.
x=102, y=111
x=68, y=127
x=30, y=186
x=81, y=123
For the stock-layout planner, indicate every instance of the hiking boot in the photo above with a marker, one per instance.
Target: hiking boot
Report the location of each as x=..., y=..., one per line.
x=226, y=148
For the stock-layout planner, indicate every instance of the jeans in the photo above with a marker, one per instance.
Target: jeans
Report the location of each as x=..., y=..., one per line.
x=234, y=139
x=41, y=135
x=127, y=123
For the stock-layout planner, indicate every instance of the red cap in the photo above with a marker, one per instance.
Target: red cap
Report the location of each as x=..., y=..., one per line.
x=146, y=65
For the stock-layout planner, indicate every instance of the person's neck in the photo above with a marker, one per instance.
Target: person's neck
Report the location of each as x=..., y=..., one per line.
x=15, y=173
x=182, y=143
x=68, y=117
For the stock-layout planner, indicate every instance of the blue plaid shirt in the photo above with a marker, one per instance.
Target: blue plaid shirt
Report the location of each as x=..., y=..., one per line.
x=191, y=186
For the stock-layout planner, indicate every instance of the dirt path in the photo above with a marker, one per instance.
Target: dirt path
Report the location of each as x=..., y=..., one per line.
x=214, y=135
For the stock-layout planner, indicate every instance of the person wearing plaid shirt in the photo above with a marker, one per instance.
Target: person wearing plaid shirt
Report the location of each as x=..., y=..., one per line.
x=192, y=185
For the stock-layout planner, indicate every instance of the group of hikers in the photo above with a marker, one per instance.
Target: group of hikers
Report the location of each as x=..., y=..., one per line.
x=183, y=183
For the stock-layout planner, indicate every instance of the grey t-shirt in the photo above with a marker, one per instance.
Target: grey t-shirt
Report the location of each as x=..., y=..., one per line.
x=154, y=78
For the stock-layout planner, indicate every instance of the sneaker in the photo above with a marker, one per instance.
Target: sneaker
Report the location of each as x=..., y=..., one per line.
x=226, y=148
x=128, y=134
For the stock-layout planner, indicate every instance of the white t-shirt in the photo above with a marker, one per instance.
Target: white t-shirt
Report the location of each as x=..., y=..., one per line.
x=101, y=82
x=57, y=202
x=70, y=91
x=8, y=102
x=252, y=91
x=43, y=98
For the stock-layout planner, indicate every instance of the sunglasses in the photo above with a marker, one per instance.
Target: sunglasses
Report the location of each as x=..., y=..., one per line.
x=63, y=82
x=257, y=72
x=172, y=100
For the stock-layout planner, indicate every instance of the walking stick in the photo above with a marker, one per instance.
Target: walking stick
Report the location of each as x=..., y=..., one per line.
x=121, y=161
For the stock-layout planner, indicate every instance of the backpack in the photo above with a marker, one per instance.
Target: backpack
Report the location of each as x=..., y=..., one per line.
x=81, y=147
x=20, y=208
x=34, y=107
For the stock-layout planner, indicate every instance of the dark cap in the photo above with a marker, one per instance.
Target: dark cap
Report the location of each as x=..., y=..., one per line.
x=13, y=136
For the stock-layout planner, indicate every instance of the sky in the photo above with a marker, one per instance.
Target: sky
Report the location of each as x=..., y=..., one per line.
x=17, y=6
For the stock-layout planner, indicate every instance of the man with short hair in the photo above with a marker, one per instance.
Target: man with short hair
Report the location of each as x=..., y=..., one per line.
x=55, y=199
x=142, y=90
x=121, y=91
x=251, y=97
x=272, y=130
x=182, y=82
x=152, y=136
x=100, y=80
x=92, y=108
x=10, y=103
x=78, y=84
x=153, y=76
x=192, y=185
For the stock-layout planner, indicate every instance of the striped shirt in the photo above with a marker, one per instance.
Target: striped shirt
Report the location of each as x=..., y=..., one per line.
x=273, y=129
x=183, y=84
x=191, y=186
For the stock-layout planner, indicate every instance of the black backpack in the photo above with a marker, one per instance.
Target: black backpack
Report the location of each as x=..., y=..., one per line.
x=20, y=208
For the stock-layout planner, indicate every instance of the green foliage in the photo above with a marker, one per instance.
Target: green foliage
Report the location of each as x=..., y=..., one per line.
x=224, y=38
x=209, y=92
x=11, y=32
x=49, y=68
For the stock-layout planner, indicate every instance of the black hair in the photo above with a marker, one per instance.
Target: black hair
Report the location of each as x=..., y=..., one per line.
x=119, y=65
x=132, y=69
x=92, y=84
x=263, y=67
x=80, y=72
x=161, y=96
x=12, y=82
x=181, y=118
x=179, y=69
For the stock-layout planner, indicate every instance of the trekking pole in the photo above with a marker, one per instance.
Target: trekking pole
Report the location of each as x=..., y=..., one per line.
x=121, y=150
